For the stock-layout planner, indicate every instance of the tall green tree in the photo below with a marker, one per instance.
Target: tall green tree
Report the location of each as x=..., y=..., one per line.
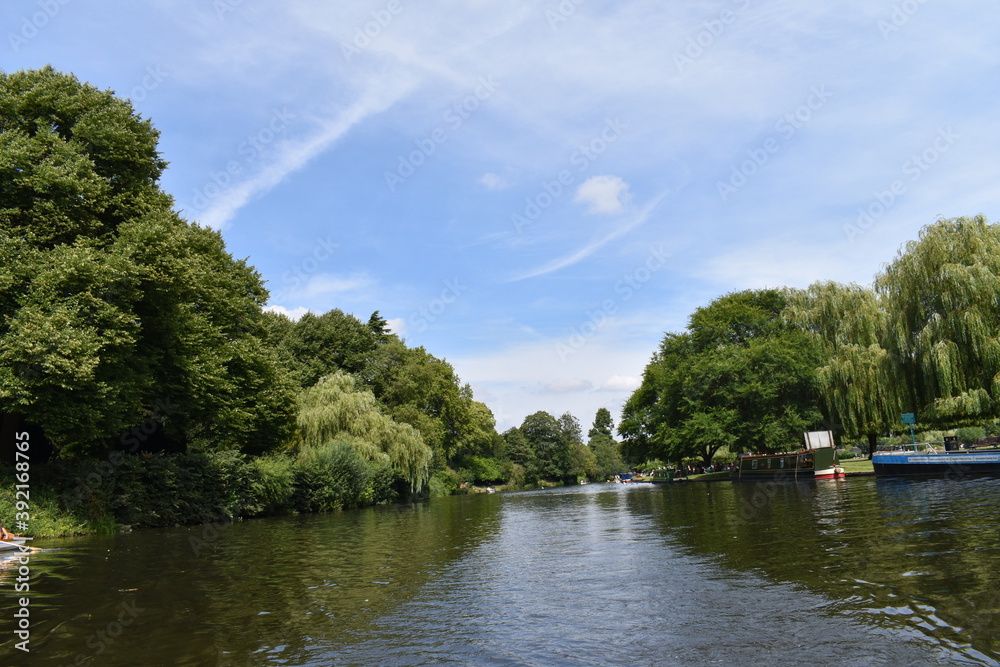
x=944, y=321
x=114, y=311
x=860, y=381
x=741, y=376
x=419, y=389
x=607, y=457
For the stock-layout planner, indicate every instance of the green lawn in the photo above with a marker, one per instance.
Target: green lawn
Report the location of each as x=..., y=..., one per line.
x=856, y=465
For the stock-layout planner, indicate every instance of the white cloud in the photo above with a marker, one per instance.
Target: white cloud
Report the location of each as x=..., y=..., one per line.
x=589, y=250
x=294, y=314
x=324, y=285
x=620, y=383
x=493, y=181
x=568, y=386
x=604, y=195
x=397, y=325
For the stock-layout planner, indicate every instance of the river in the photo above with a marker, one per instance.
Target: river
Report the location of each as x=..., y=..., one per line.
x=849, y=572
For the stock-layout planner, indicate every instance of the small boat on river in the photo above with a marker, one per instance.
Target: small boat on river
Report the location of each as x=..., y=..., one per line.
x=12, y=543
x=928, y=459
x=817, y=461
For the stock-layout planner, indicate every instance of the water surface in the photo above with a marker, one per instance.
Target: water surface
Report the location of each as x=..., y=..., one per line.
x=855, y=572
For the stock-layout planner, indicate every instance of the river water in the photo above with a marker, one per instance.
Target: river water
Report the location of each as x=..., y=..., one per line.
x=848, y=572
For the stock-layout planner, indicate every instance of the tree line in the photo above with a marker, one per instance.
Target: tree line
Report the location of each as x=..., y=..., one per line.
x=127, y=329
x=756, y=368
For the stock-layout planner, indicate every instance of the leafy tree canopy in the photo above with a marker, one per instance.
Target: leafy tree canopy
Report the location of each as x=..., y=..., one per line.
x=115, y=312
x=741, y=376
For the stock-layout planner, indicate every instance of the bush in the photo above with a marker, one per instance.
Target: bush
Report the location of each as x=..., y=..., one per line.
x=444, y=482
x=329, y=477
x=272, y=485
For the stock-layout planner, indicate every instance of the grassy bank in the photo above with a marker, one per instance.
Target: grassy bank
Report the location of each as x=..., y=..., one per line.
x=857, y=465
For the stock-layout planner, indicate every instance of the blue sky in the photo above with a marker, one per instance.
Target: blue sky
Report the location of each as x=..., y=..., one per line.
x=537, y=191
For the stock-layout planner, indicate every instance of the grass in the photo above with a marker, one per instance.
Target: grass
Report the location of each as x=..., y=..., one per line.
x=709, y=476
x=857, y=465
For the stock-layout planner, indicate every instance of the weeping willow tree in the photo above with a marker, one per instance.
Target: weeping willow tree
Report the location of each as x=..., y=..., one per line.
x=334, y=410
x=859, y=379
x=942, y=299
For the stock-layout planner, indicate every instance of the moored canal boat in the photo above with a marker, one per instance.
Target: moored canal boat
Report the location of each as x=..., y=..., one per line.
x=926, y=459
x=817, y=461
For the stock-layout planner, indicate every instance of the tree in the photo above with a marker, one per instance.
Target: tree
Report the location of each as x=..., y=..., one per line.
x=944, y=321
x=544, y=433
x=334, y=407
x=859, y=379
x=603, y=424
x=741, y=376
x=114, y=311
x=333, y=341
x=419, y=389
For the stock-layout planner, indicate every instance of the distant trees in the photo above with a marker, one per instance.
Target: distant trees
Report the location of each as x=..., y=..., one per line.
x=601, y=442
x=753, y=368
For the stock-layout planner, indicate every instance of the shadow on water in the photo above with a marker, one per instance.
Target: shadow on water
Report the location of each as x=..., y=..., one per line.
x=250, y=592
x=916, y=558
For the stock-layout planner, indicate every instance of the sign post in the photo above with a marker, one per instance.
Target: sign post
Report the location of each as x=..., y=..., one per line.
x=911, y=419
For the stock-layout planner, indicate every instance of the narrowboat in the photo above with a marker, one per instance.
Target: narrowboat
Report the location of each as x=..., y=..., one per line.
x=817, y=461
x=927, y=459
x=820, y=463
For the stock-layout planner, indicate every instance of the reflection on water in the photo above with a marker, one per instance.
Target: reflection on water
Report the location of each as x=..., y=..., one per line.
x=857, y=571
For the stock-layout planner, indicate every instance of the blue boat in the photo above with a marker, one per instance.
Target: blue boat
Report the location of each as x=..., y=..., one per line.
x=927, y=459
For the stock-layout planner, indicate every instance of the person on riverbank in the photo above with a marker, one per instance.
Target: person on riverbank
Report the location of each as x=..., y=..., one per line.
x=5, y=535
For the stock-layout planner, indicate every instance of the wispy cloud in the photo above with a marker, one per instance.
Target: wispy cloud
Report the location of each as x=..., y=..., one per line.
x=590, y=249
x=293, y=156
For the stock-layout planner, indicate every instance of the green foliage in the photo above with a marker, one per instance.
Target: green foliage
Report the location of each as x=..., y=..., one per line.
x=333, y=408
x=335, y=475
x=485, y=469
x=444, y=482
x=603, y=424
x=859, y=380
x=109, y=301
x=970, y=435
x=741, y=376
x=421, y=390
x=944, y=320
x=607, y=455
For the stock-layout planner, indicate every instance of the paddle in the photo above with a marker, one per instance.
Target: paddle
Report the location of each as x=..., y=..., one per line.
x=15, y=544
